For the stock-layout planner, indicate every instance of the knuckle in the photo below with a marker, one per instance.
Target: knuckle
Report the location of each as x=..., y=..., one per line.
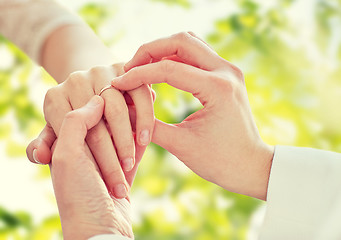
x=51, y=95
x=73, y=116
x=167, y=66
x=116, y=110
x=223, y=84
x=181, y=39
x=238, y=73
x=114, y=174
x=97, y=70
x=58, y=160
x=126, y=149
x=182, y=36
x=54, y=92
x=94, y=137
x=52, y=99
x=75, y=78
x=235, y=73
x=61, y=159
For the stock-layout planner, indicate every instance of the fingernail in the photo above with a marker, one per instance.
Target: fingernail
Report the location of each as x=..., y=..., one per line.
x=144, y=137
x=128, y=164
x=94, y=101
x=120, y=191
x=35, y=157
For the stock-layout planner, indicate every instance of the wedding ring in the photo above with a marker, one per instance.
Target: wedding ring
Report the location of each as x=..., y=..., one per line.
x=105, y=88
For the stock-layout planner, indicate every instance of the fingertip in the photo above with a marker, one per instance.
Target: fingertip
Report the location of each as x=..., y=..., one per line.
x=41, y=155
x=128, y=164
x=29, y=150
x=93, y=111
x=144, y=137
x=35, y=156
x=32, y=152
x=115, y=82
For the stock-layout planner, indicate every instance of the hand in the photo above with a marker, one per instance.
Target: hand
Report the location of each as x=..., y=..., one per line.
x=220, y=142
x=85, y=206
x=74, y=93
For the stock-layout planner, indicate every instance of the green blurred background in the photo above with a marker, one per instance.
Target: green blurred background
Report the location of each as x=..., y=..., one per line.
x=290, y=53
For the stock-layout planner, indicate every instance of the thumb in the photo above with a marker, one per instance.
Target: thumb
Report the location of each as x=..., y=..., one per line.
x=167, y=136
x=39, y=150
x=77, y=123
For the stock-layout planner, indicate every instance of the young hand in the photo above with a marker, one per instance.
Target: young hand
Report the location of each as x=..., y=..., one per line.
x=220, y=142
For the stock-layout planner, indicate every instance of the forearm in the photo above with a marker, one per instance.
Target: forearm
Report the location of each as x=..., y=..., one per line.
x=72, y=48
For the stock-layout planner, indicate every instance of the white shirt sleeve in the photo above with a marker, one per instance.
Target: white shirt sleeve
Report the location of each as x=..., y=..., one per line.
x=28, y=23
x=304, y=195
x=109, y=237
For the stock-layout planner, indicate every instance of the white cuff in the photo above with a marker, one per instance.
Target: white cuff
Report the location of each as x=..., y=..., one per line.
x=109, y=237
x=304, y=195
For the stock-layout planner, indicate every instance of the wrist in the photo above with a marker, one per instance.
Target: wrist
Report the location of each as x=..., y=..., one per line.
x=262, y=168
x=251, y=176
x=85, y=231
x=115, y=219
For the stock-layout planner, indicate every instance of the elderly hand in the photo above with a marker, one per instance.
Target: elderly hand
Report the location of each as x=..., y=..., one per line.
x=220, y=142
x=111, y=141
x=86, y=209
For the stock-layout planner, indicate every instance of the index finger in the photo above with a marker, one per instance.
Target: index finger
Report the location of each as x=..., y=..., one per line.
x=181, y=76
x=185, y=46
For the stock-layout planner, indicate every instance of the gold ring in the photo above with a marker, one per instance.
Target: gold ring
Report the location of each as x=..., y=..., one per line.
x=105, y=88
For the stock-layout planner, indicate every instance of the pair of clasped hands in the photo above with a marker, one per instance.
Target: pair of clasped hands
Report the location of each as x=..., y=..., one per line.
x=97, y=142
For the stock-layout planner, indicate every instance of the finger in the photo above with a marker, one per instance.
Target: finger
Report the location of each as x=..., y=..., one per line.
x=98, y=139
x=117, y=116
x=39, y=150
x=189, y=49
x=139, y=150
x=153, y=95
x=56, y=106
x=102, y=148
x=129, y=101
x=178, y=75
x=77, y=123
x=138, y=157
x=143, y=101
x=196, y=36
